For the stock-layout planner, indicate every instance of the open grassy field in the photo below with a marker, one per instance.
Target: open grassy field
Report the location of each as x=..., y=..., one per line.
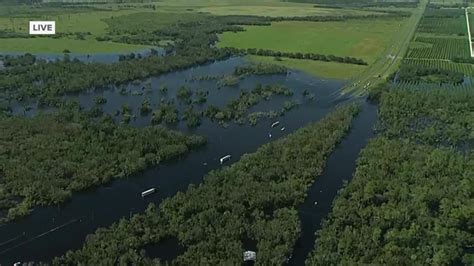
x=448, y=2
x=330, y=70
x=94, y=22
x=69, y=21
x=281, y=10
x=87, y=22
x=365, y=39
x=54, y=46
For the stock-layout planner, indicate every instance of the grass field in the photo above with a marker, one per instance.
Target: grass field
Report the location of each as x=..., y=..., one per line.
x=281, y=10
x=55, y=46
x=330, y=70
x=92, y=22
x=366, y=39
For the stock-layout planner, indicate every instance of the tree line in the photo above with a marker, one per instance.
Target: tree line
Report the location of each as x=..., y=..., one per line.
x=407, y=204
x=45, y=158
x=413, y=73
x=214, y=221
x=308, y=56
x=410, y=200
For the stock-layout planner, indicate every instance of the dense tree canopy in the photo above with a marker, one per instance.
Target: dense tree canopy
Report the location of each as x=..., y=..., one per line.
x=437, y=117
x=45, y=158
x=411, y=201
x=216, y=222
x=408, y=204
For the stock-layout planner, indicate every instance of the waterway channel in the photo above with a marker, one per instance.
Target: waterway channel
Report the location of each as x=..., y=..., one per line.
x=51, y=231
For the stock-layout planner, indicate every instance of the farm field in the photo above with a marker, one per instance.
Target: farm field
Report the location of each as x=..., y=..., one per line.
x=90, y=23
x=439, y=53
x=54, y=46
x=365, y=39
x=283, y=10
x=94, y=21
x=331, y=70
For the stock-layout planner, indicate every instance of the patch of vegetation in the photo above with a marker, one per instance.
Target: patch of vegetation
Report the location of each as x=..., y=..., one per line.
x=365, y=39
x=45, y=158
x=307, y=56
x=167, y=113
x=237, y=109
x=436, y=117
x=48, y=80
x=213, y=220
x=317, y=68
x=407, y=204
x=259, y=69
x=416, y=74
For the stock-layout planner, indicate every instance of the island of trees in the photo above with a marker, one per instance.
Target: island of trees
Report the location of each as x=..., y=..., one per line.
x=214, y=221
x=410, y=201
x=45, y=158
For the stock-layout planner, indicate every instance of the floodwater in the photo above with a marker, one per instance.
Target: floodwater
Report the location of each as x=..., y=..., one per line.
x=340, y=167
x=88, y=58
x=51, y=231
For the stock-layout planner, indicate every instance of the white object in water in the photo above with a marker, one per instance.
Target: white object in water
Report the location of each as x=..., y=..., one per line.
x=17, y=263
x=269, y=135
x=148, y=192
x=283, y=128
x=315, y=203
x=250, y=255
x=275, y=123
x=225, y=158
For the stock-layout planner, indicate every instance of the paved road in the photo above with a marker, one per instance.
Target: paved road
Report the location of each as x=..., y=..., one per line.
x=391, y=59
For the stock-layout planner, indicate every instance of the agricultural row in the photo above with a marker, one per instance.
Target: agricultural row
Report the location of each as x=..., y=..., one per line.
x=406, y=85
x=443, y=12
x=439, y=54
x=440, y=48
x=467, y=69
x=448, y=26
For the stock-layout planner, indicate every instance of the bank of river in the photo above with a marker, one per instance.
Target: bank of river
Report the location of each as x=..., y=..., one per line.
x=340, y=167
x=107, y=58
x=51, y=231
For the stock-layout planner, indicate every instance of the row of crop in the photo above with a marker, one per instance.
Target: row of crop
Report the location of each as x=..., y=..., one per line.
x=443, y=12
x=441, y=48
x=461, y=88
x=449, y=26
x=467, y=69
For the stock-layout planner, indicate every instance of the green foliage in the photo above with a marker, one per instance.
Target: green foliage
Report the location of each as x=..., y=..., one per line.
x=439, y=52
x=440, y=48
x=414, y=74
x=214, y=220
x=46, y=80
x=192, y=117
x=259, y=69
x=307, y=56
x=145, y=109
x=288, y=105
x=408, y=204
x=436, y=117
x=45, y=158
x=201, y=96
x=237, y=109
x=184, y=94
x=255, y=117
x=99, y=100
x=166, y=112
